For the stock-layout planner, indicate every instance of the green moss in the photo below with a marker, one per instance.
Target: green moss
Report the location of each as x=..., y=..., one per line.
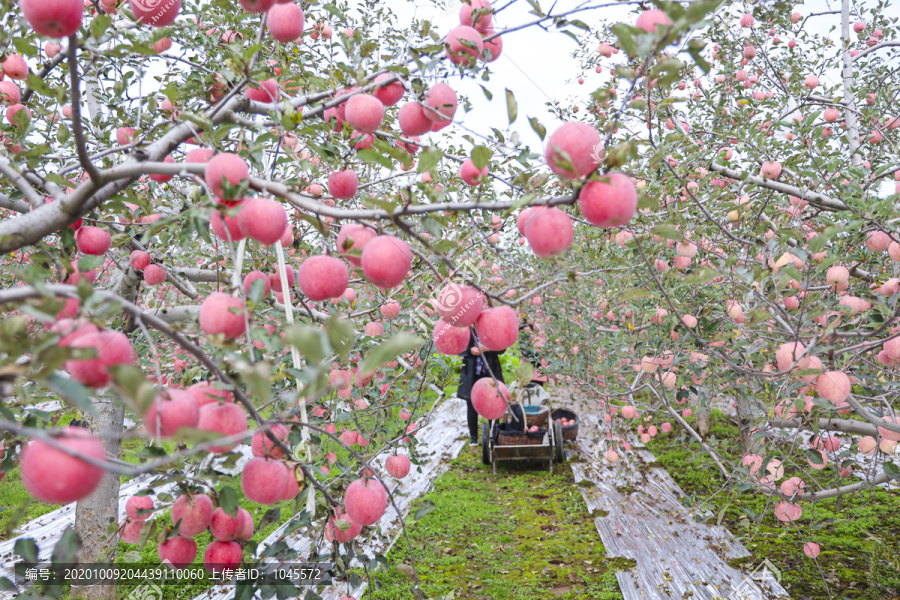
x=17, y=506
x=522, y=535
x=857, y=534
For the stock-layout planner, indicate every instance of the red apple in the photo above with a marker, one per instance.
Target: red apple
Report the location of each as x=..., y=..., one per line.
x=53, y=18
x=489, y=400
x=322, y=277
x=222, y=556
x=51, y=475
x=550, y=233
x=166, y=416
x=610, y=202
x=109, y=347
x=193, y=512
x=263, y=220
x=222, y=313
x=285, y=22
x=177, y=553
x=497, y=328
x=364, y=112
x=397, y=466
x=264, y=480
x=386, y=261
x=225, y=419
x=366, y=500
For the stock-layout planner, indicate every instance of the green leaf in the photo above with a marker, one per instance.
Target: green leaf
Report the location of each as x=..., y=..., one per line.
x=273, y=515
x=257, y=288
x=512, y=108
x=481, y=155
x=228, y=501
x=66, y=548
x=538, y=128
x=21, y=119
x=307, y=340
x=701, y=275
x=341, y=334
x=425, y=507
x=891, y=470
x=343, y=524
x=89, y=263
x=523, y=200
x=695, y=49
x=25, y=47
x=372, y=156
x=148, y=532
x=201, y=120
x=524, y=372
x=634, y=294
x=645, y=201
x=38, y=85
x=71, y=390
x=388, y=351
x=814, y=457
x=579, y=24
x=626, y=40
x=63, y=134
x=99, y=26
x=429, y=159
x=259, y=377
x=330, y=7
x=27, y=549
x=667, y=231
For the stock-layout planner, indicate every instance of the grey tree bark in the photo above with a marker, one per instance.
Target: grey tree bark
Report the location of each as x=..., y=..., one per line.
x=848, y=99
x=703, y=421
x=745, y=423
x=94, y=514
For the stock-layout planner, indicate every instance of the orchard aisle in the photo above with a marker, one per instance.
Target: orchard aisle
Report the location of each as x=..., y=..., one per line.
x=675, y=556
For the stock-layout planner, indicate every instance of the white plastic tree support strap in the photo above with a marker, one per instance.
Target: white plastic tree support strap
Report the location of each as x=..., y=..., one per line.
x=295, y=357
x=238, y=266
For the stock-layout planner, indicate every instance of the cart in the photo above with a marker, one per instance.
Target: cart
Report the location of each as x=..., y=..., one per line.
x=551, y=447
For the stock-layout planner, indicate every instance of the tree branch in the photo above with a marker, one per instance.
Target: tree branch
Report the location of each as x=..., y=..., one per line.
x=878, y=46
x=814, y=198
x=77, y=127
x=18, y=180
x=842, y=425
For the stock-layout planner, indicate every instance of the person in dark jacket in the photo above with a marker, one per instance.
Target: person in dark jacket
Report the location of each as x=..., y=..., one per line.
x=476, y=364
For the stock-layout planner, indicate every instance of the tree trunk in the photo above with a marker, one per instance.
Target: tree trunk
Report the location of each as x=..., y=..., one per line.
x=94, y=514
x=742, y=406
x=703, y=421
x=848, y=98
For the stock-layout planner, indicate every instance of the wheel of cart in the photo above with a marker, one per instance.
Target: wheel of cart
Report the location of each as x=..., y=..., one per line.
x=486, y=443
x=558, y=442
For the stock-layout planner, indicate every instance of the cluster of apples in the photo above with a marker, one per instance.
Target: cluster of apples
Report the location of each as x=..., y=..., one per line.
x=474, y=39
x=461, y=307
x=574, y=151
x=534, y=429
x=194, y=514
x=105, y=349
x=564, y=422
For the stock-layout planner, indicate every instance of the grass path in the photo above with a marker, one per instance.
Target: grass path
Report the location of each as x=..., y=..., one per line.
x=520, y=535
